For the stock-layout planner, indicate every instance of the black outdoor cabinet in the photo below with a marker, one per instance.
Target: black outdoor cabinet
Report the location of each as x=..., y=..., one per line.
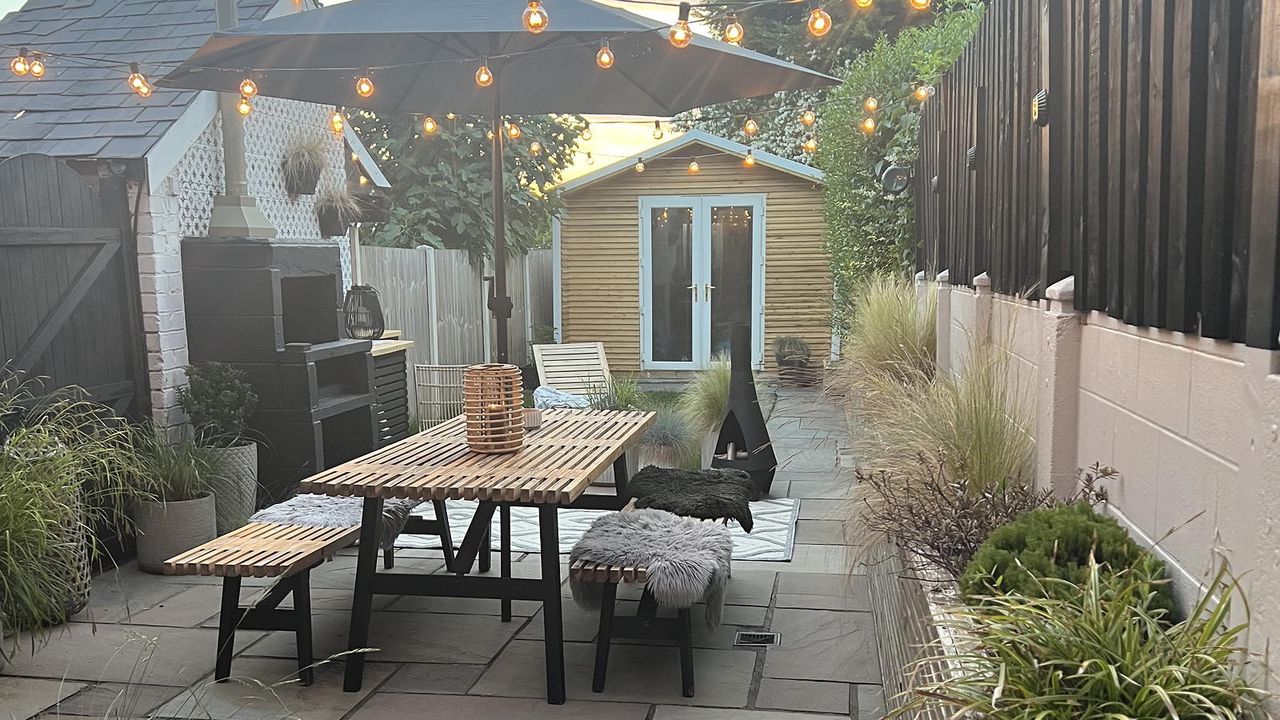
x=274, y=310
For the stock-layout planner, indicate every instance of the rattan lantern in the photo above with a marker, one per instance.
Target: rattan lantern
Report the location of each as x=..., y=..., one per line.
x=493, y=402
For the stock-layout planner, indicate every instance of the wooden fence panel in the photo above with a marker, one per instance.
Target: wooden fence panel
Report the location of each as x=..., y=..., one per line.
x=1144, y=185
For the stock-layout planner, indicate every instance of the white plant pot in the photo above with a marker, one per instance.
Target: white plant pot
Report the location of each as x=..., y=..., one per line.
x=235, y=485
x=658, y=457
x=172, y=528
x=709, y=446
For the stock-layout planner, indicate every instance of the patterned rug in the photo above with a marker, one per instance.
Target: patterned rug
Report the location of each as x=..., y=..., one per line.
x=773, y=538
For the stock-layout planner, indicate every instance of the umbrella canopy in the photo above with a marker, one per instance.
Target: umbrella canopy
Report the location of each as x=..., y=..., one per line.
x=423, y=55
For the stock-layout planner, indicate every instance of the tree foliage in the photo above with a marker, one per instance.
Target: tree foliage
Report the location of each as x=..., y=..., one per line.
x=869, y=231
x=441, y=184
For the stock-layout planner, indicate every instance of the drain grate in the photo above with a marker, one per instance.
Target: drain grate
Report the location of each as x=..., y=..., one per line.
x=757, y=639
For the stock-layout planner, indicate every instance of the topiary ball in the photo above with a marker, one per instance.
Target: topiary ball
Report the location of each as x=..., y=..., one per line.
x=1056, y=542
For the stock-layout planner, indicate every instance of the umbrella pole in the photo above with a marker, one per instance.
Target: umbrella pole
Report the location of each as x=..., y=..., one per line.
x=499, y=303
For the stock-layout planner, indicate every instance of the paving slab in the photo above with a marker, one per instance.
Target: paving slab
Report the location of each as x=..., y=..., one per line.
x=113, y=700
x=637, y=673
x=823, y=508
x=870, y=702
x=663, y=712
x=815, y=461
x=823, y=591
x=822, y=532
x=189, y=608
x=116, y=595
x=394, y=705
x=823, y=697
x=22, y=698
x=433, y=678
x=463, y=606
x=823, y=645
x=821, y=486
x=267, y=689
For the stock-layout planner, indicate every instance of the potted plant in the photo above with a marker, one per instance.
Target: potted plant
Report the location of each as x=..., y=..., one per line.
x=670, y=442
x=182, y=514
x=219, y=401
x=336, y=209
x=705, y=402
x=304, y=161
x=792, y=356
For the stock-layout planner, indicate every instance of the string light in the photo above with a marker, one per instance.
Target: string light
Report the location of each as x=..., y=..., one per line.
x=451, y=116
x=337, y=122
x=819, y=22
x=513, y=131
x=243, y=106
x=535, y=148
x=871, y=104
x=604, y=56
x=863, y=4
x=489, y=136
x=364, y=86
x=734, y=33
x=586, y=132
x=639, y=165
x=680, y=34
x=694, y=167
x=590, y=160
x=535, y=17
x=750, y=127
x=19, y=65
x=919, y=4
x=658, y=134
x=36, y=66
x=248, y=87
x=808, y=118
x=750, y=159
x=138, y=82
x=810, y=145
x=429, y=125
x=484, y=76
x=923, y=92
x=869, y=125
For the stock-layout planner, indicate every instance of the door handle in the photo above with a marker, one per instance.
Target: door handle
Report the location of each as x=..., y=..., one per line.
x=706, y=291
x=693, y=290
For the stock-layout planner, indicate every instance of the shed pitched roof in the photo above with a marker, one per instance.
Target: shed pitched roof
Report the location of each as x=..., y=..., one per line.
x=699, y=137
x=82, y=109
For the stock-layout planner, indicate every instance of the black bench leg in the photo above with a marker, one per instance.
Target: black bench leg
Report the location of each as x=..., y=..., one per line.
x=446, y=535
x=486, y=550
x=504, y=555
x=648, y=607
x=227, y=620
x=609, y=594
x=684, y=630
x=388, y=557
x=302, y=628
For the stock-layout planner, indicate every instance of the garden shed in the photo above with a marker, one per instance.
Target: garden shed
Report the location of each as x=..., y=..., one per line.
x=658, y=256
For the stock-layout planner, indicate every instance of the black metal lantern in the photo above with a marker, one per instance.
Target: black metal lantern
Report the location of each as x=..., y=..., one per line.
x=362, y=313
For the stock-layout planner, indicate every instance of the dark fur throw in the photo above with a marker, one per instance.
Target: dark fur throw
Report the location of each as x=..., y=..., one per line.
x=703, y=494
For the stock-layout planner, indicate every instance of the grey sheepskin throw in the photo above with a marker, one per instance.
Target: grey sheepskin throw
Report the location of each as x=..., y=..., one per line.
x=326, y=511
x=704, y=494
x=688, y=560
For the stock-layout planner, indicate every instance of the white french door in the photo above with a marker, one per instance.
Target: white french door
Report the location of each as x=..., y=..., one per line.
x=702, y=273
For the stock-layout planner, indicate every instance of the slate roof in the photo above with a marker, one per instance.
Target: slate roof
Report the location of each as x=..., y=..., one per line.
x=82, y=109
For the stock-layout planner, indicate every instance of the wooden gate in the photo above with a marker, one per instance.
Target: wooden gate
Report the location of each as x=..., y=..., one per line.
x=68, y=294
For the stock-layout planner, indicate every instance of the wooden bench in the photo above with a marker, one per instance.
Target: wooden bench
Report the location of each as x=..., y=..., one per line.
x=264, y=550
x=645, y=625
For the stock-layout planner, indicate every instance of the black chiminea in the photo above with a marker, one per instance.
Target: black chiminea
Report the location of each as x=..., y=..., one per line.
x=744, y=442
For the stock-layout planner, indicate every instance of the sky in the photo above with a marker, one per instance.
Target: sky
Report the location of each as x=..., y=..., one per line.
x=610, y=142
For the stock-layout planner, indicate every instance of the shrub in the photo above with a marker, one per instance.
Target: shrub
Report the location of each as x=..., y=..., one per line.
x=219, y=402
x=1056, y=542
x=1098, y=648
x=670, y=441
x=623, y=393
x=890, y=332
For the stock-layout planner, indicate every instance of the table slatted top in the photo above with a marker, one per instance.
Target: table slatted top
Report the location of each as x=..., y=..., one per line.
x=556, y=465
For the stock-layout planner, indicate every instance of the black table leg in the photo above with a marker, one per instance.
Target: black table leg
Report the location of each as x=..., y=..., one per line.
x=486, y=548
x=362, y=601
x=620, y=475
x=553, y=622
x=504, y=558
x=227, y=621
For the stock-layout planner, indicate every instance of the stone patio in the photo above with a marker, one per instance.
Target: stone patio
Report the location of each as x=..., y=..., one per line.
x=453, y=658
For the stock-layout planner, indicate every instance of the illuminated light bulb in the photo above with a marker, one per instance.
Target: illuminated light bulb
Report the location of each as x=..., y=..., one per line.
x=750, y=159
x=535, y=17
x=640, y=165
x=535, y=148
x=750, y=127
x=810, y=145
x=145, y=91
x=680, y=34
x=248, y=87
x=920, y=4
x=20, y=65
x=513, y=131
x=138, y=82
x=657, y=130
x=36, y=66
x=808, y=118
x=364, y=86
x=819, y=22
x=604, y=56
x=734, y=33
x=337, y=122
x=484, y=76
x=694, y=167
x=243, y=106
x=863, y=4
x=869, y=125
x=871, y=104
x=355, y=157
x=364, y=180
x=451, y=116
x=586, y=132
x=429, y=125
x=489, y=136
x=924, y=92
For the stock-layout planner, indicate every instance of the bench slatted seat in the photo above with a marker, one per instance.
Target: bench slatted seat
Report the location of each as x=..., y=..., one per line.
x=265, y=550
x=602, y=573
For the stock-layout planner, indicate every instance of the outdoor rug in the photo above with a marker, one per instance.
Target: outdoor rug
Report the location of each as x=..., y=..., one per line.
x=773, y=538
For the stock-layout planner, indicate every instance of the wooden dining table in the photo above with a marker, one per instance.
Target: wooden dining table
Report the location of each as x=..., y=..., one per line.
x=553, y=470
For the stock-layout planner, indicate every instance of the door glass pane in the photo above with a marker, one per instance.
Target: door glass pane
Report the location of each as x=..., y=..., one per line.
x=731, y=259
x=672, y=274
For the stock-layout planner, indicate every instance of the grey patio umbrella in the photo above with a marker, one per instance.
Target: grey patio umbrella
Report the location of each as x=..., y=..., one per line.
x=423, y=56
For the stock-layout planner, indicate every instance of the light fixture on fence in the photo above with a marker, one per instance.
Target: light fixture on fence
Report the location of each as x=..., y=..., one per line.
x=971, y=158
x=138, y=82
x=604, y=56
x=1040, y=108
x=20, y=65
x=429, y=125
x=680, y=34
x=658, y=134
x=819, y=22
x=750, y=159
x=364, y=86
x=337, y=122
x=935, y=185
x=895, y=179
x=734, y=33
x=869, y=125
x=639, y=165
x=248, y=87
x=923, y=92
x=36, y=66
x=484, y=76
x=871, y=104
x=750, y=127
x=535, y=17
x=808, y=118
x=243, y=106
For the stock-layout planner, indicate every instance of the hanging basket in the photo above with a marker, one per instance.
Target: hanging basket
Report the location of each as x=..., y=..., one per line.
x=493, y=402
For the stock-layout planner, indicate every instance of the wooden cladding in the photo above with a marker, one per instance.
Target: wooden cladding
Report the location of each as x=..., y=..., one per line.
x=1143, y=185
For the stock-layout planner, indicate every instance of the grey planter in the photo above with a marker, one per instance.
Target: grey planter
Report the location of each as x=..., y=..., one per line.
x=235, y=486
x=168, y=529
